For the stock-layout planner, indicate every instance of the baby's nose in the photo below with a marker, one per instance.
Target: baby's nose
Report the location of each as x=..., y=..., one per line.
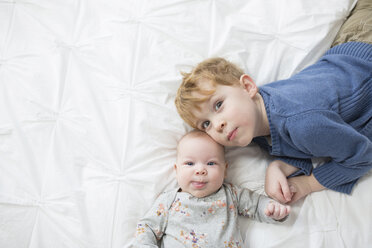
x=201, y=172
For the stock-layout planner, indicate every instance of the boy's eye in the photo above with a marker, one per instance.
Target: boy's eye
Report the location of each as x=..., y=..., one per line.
x=218, y=105
x=211, y=163
x=189, y=163
x=205, y=124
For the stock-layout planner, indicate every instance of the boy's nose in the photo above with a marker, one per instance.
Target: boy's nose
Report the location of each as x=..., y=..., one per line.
x=221, y=125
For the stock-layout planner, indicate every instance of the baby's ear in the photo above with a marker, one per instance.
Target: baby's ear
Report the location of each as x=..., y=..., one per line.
x=175, y=167
x=227, y=165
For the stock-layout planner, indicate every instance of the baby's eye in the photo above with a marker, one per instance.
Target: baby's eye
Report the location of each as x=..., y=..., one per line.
x=189, y=163
x=211, y=163
x=205, y=124
x=218, y=105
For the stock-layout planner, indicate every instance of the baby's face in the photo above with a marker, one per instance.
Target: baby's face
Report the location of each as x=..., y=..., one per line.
x=201, y=165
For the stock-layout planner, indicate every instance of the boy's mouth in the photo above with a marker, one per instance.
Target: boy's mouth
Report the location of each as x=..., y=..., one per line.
x=232, y=134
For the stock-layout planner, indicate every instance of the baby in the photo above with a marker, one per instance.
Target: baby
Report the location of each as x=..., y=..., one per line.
x=203, y=211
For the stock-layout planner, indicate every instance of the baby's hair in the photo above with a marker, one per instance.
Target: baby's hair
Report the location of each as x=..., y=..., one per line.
x=216, y=71
x=197, y=133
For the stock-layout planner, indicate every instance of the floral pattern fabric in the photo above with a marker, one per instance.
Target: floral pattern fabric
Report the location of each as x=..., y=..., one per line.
x=178, y=219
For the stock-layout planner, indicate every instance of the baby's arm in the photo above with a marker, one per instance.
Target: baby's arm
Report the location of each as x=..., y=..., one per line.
x=145, y=236
x=259, y=207
x=276, y=182
x=151, y=227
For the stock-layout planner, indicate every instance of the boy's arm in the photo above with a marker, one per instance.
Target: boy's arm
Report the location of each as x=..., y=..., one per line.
x=329, y=136
x=289, y=190
x=303, y=185
x=276, y=182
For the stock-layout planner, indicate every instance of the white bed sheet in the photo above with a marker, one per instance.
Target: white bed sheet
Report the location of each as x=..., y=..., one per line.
x=88, y=127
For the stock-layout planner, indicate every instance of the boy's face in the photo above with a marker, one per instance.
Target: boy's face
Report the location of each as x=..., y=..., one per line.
x=200, y=166
x=230, y=115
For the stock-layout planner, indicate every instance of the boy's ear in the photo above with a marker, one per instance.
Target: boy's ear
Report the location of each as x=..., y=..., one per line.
x=227, y=165
x=249, y=85
x=175, y=167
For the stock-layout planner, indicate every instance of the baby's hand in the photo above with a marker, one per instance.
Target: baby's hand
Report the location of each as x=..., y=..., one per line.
x=276, y=210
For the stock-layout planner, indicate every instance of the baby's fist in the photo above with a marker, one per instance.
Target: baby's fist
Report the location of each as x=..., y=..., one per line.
x=276, y=210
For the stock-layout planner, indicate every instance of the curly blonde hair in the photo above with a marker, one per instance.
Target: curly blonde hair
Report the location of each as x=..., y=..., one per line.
x=216, y=71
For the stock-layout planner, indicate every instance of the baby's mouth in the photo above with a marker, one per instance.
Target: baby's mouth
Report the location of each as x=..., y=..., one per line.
x=198, y=185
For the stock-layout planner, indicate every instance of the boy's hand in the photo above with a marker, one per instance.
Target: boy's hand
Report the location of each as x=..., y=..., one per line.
x=276, y=183
x=303, y=185
x=276, y=210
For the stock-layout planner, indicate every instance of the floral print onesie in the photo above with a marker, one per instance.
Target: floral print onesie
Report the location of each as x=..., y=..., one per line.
x=178, y=219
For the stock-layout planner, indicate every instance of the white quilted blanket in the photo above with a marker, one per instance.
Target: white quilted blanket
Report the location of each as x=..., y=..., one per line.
x=88, y=127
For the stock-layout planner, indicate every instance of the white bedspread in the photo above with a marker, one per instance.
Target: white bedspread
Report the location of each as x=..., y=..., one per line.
x=88, y=126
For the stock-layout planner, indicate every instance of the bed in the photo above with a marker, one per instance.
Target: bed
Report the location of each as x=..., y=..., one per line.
x=88, y=126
